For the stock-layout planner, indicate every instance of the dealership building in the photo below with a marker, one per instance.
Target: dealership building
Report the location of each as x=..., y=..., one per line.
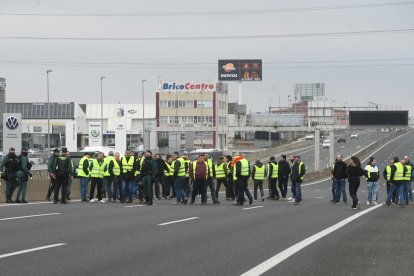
x=192, y=114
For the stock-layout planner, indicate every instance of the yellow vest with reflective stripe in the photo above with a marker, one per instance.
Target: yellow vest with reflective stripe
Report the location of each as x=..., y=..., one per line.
x=244, y=168
x=220, y=174
x=181, y=171
x=127, y=166
x=408, y=173
x=371, y=169
x=81, y=173
x=106, y=162
x=275, y=172
x=399, y=173
x=116, y=169
x=210, y=166
x=259, y=173
x=188, y=168
x=167, y=172
x=97, y=169
x=195, y=168
x=388, y=170
x=140, y=160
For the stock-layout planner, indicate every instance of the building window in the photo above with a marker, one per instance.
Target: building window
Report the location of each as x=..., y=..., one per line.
x=204, y=103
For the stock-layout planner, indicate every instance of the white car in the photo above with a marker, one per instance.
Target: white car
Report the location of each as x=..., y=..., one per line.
x=309, y=137
x=326, y=143
x=354, y=135
x=385, y=130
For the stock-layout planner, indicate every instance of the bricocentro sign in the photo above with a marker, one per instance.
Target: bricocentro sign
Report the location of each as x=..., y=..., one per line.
x=170, y=86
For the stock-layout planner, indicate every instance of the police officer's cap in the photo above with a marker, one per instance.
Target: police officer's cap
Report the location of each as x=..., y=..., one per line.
x=56, y=150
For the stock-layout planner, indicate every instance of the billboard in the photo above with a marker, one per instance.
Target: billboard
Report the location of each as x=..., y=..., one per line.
x=71, y=136
x=95, y=134
x=240, y=70
x=12, y=132
x=186, y=86
x=380, y=118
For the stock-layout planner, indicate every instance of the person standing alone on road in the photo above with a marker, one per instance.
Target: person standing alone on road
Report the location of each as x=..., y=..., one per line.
x=298, y=171
x=354, y=172
x=371, y=173
x=338, y=177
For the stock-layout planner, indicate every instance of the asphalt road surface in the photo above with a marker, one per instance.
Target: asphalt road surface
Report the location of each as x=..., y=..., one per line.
x=271, y=237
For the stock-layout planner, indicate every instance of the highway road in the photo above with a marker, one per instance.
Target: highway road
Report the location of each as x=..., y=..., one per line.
x=269, y=238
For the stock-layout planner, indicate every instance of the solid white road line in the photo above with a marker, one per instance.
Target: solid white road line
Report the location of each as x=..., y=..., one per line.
x=177, y=221
x=32, y=216
x=31, y=250
x=278, y=258
x=34, y=203
x=320, y=197
x=132, y=206
x=255, y=207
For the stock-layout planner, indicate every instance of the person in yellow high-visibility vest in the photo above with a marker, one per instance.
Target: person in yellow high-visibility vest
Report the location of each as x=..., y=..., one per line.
x=179, y=176
x=128, y=180
x=272, y=171
x=258, y=175
x=97, y=169
x=168, y=173
x=298, y=171
x=220, y=174
x=114, y=170
x=241, y=175
x=408, y=191
x=398, y=172
x=210, y=180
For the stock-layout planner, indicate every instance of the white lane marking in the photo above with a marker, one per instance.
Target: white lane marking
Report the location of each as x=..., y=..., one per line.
x=31, y=250
x=320, y=197
x=32, y=216
x=255, y=207
x=132, y=206
x=280, y=257
x=177, y=221
x=34, y=203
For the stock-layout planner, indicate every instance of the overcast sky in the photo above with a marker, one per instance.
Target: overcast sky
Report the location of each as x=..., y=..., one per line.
x=374, y=67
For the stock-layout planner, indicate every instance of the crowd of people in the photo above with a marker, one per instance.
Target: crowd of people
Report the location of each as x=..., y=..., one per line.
x=142, y=178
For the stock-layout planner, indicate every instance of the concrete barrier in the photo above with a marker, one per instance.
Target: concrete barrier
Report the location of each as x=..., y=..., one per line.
x=279, y=150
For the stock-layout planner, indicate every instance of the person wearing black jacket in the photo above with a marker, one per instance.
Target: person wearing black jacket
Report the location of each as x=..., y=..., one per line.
x=387, y=176
x=298, y=171
x=354, y=172
x=338, y=177
x=159, y=177
x=371, y=173
x=283, y=175
x=10, y=164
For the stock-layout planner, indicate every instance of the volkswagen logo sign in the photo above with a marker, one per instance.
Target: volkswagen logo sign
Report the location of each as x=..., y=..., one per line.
x=12, y=122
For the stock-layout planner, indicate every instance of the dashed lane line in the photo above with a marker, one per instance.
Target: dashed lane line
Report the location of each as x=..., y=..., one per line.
x=31, y=216
x=31, y=250
x=177, y=221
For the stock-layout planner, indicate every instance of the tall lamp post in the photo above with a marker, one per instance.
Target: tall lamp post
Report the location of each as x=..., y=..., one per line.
x=102, y=78
x=143, y=113
x=48, y=110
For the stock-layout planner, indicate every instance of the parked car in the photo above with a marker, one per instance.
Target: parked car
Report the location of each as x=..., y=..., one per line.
x=354, y=135
x=341, y=140
x=326, y=143
x=309, y=137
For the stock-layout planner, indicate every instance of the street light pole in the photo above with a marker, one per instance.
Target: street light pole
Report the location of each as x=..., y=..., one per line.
x=102, y=78
x=48, y=110
x=143, y=113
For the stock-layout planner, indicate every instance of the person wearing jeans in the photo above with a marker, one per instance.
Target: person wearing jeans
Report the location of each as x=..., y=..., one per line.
x=83, y=175
x=408, y=191
x=338, y=177
x=179, y=177
x=283, y=176
x=371, y=173
x=199, y=172
x=210, y=180
x=298, y=171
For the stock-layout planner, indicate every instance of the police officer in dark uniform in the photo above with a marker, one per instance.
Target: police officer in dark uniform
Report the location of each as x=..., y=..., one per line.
x=149, y=170
x=10, y=166
x=50, y=163
x=62, y=171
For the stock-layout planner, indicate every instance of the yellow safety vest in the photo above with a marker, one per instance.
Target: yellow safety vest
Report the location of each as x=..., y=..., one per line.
x=127, y=166
x=168, y=171
x=97, y=169
x=299, y=169
x=81, y=173
x=181, y=171
x=371, y=169
x=106, y=162
x=407, y=176
x=399, y=173
x=188, y=168
x=116, y=169
x=195, y=168
x=275, y=172
x=210, y=166
x=259, y=173
x=244, y=168
x=140, y=160
x=388, y=170
x=220, y=174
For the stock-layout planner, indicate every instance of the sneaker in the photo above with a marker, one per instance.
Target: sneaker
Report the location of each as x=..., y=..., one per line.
x=354, y=208
x=358, y=205
x=101, y=201
x=375, y=203
x=92, y=200
x=291, y=200
x=368, y=203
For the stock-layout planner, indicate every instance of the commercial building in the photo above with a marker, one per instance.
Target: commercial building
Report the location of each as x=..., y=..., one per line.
x=192, y=114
